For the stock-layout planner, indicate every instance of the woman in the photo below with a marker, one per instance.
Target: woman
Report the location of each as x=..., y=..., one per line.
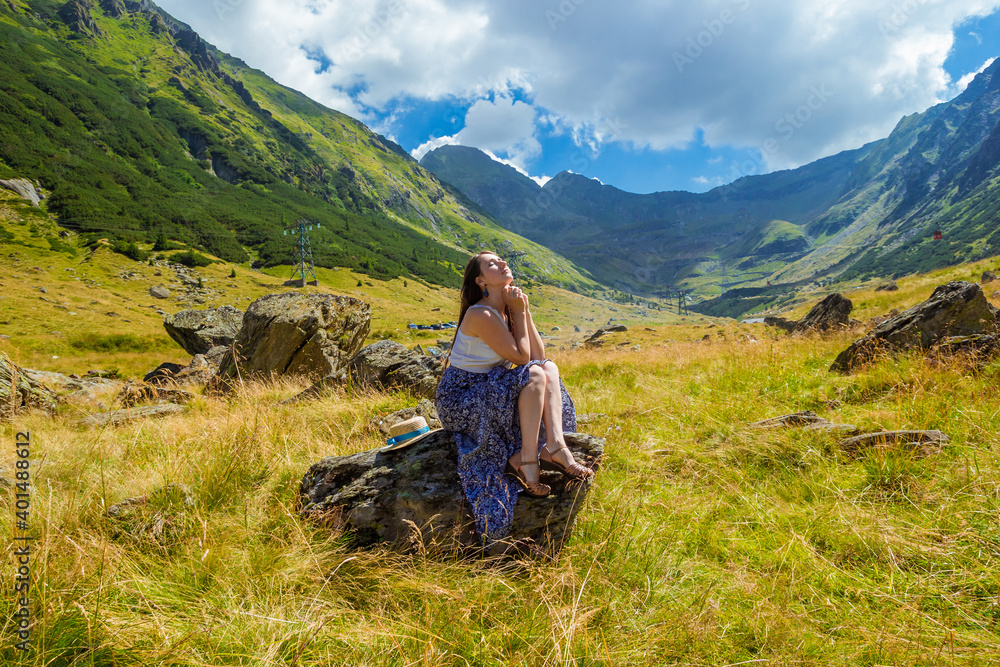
x=502, y=415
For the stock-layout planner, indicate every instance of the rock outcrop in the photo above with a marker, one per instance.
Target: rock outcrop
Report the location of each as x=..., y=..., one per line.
x=833, y=311
x=20, y=392
x=916, y=443
x=978, y=350
x=116, y=417
x=198, y=331
x=133, y=394
x=162, y=374
x=412, y=500
x=297, y=334
x=423, y=409
x=200, y=370
x=988, y=277
x=781, y=323
x=23, y=188
x=113, y=8
x=956, y=309
x=76, y=14
x=389, y=365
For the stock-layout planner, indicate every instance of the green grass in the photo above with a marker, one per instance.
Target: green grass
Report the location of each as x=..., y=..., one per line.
x=704, y=542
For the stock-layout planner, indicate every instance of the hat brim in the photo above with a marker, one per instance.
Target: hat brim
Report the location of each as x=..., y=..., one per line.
x=407, y=443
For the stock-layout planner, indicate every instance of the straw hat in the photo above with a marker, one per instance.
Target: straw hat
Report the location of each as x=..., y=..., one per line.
x=407, y=432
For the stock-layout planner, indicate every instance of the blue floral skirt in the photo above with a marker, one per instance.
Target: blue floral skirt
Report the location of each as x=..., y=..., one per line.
x=481, y=410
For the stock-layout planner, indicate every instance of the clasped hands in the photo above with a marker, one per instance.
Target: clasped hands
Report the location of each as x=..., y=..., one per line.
x=515, y=299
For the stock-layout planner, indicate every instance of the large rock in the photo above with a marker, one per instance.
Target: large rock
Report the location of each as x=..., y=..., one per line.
x=19, y=392
x=23, y=188
x=389, y=365
x=423, y=409
x=76, y=14
x=298, y=334
x=412, y=500
x=198, y=331
x=781, y=323
x=956, y=309
x=833, y=311
x=978, y=350
x=116, y=417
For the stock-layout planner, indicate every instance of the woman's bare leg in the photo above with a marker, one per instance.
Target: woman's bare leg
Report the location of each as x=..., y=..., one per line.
x=529, y=409
x=555, y=443
x=552, y=408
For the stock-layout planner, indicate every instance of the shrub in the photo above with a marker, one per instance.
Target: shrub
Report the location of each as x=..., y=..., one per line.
x=190, y=259
x=95, y=342
x=130, y=250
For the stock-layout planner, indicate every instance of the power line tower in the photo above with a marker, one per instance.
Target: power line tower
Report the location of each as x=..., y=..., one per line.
x=682, y=298
x=304, y=266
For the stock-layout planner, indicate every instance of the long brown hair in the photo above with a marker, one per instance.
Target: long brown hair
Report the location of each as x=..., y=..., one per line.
x=471, y=293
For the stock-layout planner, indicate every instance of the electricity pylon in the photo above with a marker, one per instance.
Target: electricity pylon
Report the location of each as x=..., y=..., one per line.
x=304, y=266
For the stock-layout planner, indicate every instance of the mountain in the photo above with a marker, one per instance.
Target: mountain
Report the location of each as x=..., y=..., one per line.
x=649, y=242
x=864, y=212
x=139, y=130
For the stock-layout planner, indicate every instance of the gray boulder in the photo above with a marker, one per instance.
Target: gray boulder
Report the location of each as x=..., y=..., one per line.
x=116, y=417
x=781, y=323
x=956, y=309
x=20, y=392
x=916, y=443
x=887, y=287
x=411, y=499
x=978, y=350
x=988, y=277
x=133, y=394
x=23, y=188
x=423, y=409
x=198, y=331
x=162, y=374
x=159, y=292
x=833, y=311
x=297, y=334
x=389, y=365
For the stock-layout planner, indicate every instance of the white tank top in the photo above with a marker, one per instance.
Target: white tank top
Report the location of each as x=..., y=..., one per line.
x=471, y=353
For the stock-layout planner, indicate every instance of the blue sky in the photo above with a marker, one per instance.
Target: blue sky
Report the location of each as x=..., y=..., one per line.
x=644, y=95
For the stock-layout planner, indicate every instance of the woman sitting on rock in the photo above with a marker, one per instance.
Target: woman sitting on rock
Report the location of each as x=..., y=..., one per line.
x=508, y=420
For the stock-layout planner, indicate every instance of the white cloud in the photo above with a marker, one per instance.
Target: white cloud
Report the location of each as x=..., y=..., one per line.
x=964, y=82
x=640, y=73
x=503, y=128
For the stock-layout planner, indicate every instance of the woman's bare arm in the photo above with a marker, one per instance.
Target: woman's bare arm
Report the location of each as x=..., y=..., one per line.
x=485, y=324
x=536, y=344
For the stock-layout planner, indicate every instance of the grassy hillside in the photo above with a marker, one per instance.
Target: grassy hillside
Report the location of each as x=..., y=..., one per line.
x=705, y=541
x=138, y=129
x=93, y=294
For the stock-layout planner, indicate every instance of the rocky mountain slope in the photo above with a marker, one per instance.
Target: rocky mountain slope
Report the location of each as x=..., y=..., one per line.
x=136, y=128
x=870, y=211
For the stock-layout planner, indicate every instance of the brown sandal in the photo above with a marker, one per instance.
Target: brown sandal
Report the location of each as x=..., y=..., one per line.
x=574, y=470
x=533, y=489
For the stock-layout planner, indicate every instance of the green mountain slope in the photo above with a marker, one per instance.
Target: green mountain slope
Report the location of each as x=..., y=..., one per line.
x=139, y=129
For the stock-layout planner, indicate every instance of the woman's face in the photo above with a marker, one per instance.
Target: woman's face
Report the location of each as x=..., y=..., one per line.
x=494, y=271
